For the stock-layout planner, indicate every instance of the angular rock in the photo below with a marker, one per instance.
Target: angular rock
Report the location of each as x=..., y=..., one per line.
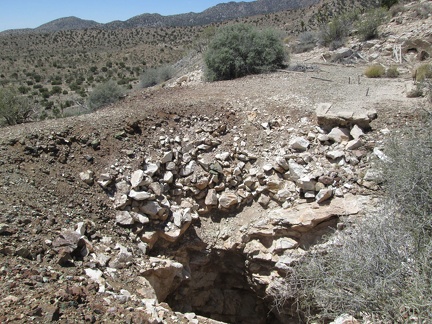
x=211, y=198
x=323, y=195
x=167, y=157
x=283, y=244
x=339, y=135
x=281, y=161
x=140, y=195
x=354, y=144
x=223, y=156
x=150, y=169
x=124, y=218
x=333, y=155
x=168, y=177
x=122, y=259
x=151, y=208
x=296, y=170
x=136, y=178
x=188, y=169
x=356, y=132
x=299, y=144
x=228, y=200
x=306, y=184
x=87, y=177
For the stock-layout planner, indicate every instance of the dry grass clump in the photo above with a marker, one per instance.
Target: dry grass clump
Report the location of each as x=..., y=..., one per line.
x=423, y=72
x=374, y=71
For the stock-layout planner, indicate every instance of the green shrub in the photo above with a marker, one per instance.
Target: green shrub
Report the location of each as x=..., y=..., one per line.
x=239, y=50
x=104, y=94
x=374, y=71
x=367, y=27
x=154, y=76
x=423, y=72
x=392, y=72
x=14, y=109
x=383, y=268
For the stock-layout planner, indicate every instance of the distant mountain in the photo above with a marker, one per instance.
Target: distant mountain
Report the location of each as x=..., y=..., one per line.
x=218, y=13
x=67, y=23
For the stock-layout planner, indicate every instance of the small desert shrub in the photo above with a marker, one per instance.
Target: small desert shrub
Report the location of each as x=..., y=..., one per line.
x=239, y=50
x=367, y=27
x=104, y=94
x=423, y=72
x=306, y=41
x=154, y=76
x=396, y=9
x=374, y=71
x=14, y=108
x=392, y=72
x=381, y=267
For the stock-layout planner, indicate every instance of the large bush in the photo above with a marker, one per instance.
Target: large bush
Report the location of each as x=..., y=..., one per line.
x=104, y=94
x=240, y=50
x=14, y=109
x=382, y=267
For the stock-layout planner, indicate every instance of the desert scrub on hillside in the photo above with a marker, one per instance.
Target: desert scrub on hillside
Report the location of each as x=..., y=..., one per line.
x=334, y=32
x=104, y=94
x=381, y=267
x=374, y=71
x=306, y=41
x=367, y=26
x=154, y=76
x=239, y=50
x=14, y=109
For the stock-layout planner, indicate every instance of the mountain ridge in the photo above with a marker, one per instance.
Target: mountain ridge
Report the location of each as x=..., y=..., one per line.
x=217, y=13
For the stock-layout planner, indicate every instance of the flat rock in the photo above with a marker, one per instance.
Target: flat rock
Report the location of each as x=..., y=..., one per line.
x=329, y=116
x=228, y=200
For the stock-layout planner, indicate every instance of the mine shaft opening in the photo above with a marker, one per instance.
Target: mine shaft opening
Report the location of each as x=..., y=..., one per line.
x=219, y=289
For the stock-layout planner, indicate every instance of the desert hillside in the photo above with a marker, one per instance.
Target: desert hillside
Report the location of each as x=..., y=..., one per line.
x=189, y=201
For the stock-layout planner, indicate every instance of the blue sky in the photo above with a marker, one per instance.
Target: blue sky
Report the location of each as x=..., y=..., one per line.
x=33, y=13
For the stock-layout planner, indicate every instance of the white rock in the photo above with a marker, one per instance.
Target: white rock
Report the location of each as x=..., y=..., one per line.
x=335, y=154
x=168, y=177
x=136, y=178
x=87, y=177
x=228, y=200
x=150, y=169
x=296, y=170
x=339, y=135
x=356, y=132
x=124, y=218
x=306, y=183
x=211, y=198
x=140, y=195
x=283, y=244
x=281, y=161
x=354, y=144
x=299, y=144
x=323, y=195
x=167, y=157
x=223, y=156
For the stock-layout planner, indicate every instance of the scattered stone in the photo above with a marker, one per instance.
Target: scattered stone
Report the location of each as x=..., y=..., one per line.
x=87, y=177
x=356, y=132
x=299, y=144
x=211, y=198
x=323, y=195
x=228, y=200
x=140, y=195
x=339, y=135
x=124, y=218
